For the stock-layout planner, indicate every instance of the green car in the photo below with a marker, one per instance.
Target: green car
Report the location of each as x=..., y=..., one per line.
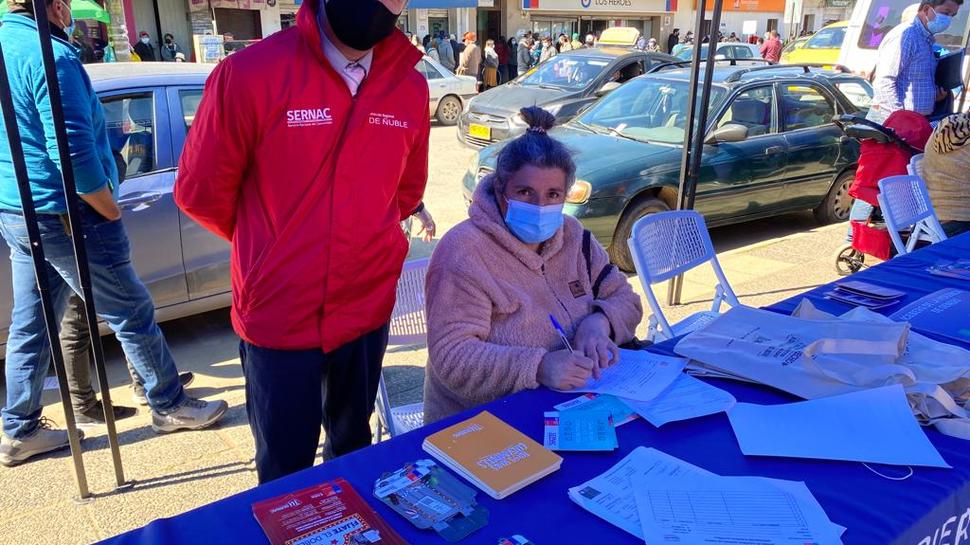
x=771, y=148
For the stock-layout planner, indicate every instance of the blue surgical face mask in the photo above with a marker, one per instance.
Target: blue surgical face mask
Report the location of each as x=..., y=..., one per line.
x=69, y=28
x=939, y=23
x=531, y=223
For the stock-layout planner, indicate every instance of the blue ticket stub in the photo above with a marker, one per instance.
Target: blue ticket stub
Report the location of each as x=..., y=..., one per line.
x=620, y=411
x=579, y=430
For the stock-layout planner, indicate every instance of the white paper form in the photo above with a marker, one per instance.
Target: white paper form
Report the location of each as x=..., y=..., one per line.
x=875, y=425
x=686, y=398
x=610, y=495
x=731, y=510
x=639, y=376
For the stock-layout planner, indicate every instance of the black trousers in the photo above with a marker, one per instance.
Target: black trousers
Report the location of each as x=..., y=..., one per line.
x=290, y=394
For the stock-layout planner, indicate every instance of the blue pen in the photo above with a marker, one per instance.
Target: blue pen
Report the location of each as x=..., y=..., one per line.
x=562, y=333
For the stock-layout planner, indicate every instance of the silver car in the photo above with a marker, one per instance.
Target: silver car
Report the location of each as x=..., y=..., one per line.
x=149, y=108
x=449, y=93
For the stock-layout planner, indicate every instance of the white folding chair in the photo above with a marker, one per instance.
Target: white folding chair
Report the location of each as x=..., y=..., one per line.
x=906, y=205
x=409, y=325
x=668, y=244
x=914, y=168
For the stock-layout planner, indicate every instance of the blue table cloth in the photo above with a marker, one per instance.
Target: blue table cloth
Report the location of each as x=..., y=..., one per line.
x=930, y=508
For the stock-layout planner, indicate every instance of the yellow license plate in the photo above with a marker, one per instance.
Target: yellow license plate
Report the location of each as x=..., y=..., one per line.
x=480, y=131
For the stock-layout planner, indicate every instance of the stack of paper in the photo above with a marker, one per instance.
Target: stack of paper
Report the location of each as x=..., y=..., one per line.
x=491, y=454
x=652, y=386
x=959, y=269
x=639, y=376
x=655, y=497
x=579, y=431
x=728, y=510
x=864, y=294
x=686, y=398
x=874, y=425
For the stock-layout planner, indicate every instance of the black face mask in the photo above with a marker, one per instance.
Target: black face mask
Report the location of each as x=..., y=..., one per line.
x=360, y=24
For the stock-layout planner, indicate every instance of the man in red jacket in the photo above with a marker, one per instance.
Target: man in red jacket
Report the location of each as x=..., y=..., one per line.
x=307, y=152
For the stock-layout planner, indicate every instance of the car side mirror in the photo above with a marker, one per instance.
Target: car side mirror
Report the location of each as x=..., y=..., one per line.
x=732, y=132
x=608, y=88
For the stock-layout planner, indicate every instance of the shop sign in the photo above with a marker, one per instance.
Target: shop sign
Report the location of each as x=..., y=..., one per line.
x=838, y=3
x=595, y=5
x=777, y=6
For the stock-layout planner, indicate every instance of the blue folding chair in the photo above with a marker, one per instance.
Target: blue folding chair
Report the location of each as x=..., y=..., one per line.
x=915, y=167
x=906, y=205
x=409, y=325
x=666, y=245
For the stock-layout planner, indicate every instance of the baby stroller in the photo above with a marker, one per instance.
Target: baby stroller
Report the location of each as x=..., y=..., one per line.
x=885, y=150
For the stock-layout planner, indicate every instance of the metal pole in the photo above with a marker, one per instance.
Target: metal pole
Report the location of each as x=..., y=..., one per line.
x=77, y=234
x=158, y=29
x=696, y=127
x=40, y=272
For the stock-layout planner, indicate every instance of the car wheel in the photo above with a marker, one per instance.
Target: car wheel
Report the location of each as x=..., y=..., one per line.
x=448, y=111
x=838, y=202
x=619, y=250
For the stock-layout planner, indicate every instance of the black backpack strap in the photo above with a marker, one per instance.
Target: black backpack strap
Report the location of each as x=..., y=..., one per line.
x=599, y=280
x=587, y=253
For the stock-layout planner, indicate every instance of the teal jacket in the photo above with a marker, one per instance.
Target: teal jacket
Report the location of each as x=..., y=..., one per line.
x=91, y=157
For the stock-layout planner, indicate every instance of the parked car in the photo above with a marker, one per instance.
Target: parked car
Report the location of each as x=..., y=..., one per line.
x=823, y=47
x=449, y=93
x=724, y=51
x=564, y=85
x=149, y=108
x=771, y=148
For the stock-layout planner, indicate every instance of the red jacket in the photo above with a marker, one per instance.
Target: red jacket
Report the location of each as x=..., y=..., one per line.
x=771, y=50
x=309, y=184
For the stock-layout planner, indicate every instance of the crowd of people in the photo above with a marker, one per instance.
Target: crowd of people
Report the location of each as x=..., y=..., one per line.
x=501, y=60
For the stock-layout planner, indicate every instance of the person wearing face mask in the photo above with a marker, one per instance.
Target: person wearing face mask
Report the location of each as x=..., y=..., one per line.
x=496, y=278
x=315, y=260
x=144, y=48
x=171, y=49
x=904, y=77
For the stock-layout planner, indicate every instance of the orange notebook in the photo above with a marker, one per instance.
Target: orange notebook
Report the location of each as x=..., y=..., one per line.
x=492, y=454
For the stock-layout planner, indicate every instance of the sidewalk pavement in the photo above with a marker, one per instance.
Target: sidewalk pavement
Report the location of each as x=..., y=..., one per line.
x=177, y=472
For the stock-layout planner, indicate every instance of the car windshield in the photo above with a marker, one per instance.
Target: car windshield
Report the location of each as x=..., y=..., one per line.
x=827, y=38
x=566, y=71
x=883, y=15
x=647, y=109
x=687, y=53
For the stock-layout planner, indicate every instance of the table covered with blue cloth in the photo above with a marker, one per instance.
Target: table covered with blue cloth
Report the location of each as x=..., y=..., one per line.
x=932, y=507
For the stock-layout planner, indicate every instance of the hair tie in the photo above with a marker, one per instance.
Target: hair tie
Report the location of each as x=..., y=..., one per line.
x=538, y=130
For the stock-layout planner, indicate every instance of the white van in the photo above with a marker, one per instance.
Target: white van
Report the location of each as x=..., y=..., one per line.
x=870, y=22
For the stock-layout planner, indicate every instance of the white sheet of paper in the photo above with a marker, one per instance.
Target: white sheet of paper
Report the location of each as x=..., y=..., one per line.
x=730, y=510
x=875, y=425
x=610, y=495
x=686, y=398
x=639, y=375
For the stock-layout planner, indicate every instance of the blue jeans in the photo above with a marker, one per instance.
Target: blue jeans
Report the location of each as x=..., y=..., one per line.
x=120, y=298
x=860, y=211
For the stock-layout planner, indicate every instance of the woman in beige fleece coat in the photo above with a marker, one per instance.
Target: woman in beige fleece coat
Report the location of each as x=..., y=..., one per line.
x=495, y=279
x=944, y=168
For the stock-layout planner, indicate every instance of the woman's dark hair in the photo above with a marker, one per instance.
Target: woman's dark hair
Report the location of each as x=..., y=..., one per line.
x=535, y=148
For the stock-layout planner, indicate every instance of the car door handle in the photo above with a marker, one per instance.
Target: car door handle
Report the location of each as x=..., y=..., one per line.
x=141, y=200
x=771, y=150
